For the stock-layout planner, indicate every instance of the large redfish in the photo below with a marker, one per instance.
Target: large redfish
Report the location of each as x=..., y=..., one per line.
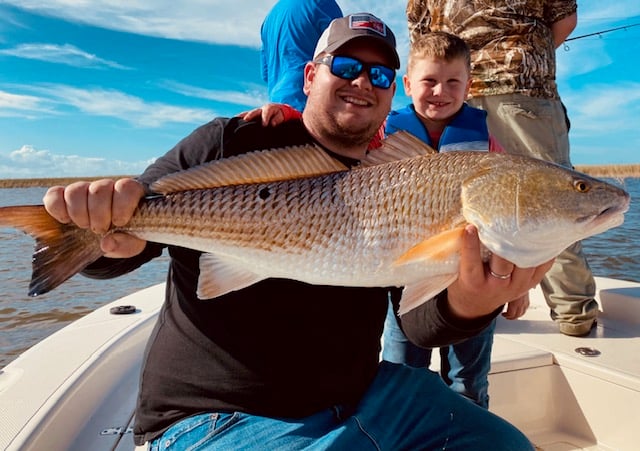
x=296, y=213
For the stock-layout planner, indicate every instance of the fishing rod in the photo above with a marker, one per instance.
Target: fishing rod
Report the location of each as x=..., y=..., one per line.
x=598, y=33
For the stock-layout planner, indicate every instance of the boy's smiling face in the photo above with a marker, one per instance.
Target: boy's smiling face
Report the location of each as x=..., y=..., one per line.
x=437, y=88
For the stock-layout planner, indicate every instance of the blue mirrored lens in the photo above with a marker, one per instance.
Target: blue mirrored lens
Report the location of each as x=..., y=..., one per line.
x=381, y=76
x=350, y=68
x=347, y=68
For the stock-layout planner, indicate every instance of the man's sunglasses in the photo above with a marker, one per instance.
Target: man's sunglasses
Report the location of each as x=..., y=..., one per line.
x=349, y=68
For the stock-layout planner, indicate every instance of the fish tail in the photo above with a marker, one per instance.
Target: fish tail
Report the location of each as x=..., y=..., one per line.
x=61, y=250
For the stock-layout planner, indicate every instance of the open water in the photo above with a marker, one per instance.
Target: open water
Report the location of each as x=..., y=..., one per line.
x=25, y=320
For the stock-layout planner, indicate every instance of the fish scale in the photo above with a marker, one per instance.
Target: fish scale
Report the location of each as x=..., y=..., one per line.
x=312, y=224
x=365, y=217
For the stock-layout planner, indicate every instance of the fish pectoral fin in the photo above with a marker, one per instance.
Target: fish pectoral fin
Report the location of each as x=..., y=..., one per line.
x=417, y=294
x=218, y=277
x=397, y=146
x=436, y=248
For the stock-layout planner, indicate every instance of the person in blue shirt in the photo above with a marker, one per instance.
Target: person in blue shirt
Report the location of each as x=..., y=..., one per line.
x=289, y=34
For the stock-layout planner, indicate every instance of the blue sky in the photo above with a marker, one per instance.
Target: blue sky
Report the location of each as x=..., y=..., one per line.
x=103, y=87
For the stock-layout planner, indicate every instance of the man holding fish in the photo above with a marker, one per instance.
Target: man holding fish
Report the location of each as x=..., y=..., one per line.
x=275, y=363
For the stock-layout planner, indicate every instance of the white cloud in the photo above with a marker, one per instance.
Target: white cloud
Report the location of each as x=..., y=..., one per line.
x=601, y=103
x=214, y=21
x=112, y=103
x=593, y=13
x=25, y=106
x=57, y=98
x=253, y=95
x=61, y=54
x=18, y=102
x=600, y=99
x=99, y=102
x=583, y=57
x=28, y=162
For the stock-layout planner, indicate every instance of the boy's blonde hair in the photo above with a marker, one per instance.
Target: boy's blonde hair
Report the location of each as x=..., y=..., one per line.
x=440, y=45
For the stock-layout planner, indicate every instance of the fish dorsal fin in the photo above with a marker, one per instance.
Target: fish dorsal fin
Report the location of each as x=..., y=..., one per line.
x=218, y=277
x=397, y=146
x=254, y=167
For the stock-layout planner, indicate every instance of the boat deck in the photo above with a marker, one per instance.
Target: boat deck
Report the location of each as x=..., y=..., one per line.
x=561, y=399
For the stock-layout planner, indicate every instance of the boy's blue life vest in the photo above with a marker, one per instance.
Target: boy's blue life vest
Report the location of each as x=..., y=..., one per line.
x=466, y=131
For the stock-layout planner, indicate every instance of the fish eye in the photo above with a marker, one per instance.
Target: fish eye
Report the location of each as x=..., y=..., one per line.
x=581, y=186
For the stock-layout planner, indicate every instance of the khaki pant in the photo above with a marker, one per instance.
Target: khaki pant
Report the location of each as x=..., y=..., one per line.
x=537, y=128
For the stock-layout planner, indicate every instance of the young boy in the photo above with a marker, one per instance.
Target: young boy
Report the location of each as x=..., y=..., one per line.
x=438, y=79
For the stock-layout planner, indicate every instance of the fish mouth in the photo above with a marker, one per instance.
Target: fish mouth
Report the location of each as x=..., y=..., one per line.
x=608, y=214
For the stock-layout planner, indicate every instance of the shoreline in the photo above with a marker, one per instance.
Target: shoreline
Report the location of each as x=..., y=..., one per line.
x=617, y=171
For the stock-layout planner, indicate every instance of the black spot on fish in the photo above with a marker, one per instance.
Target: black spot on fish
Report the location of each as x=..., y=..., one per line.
x=264, y=193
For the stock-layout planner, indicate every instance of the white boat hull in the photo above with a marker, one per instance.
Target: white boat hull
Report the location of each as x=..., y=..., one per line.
x=77, y=389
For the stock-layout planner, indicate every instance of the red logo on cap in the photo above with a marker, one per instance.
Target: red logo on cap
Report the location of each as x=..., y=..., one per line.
x=367, y=22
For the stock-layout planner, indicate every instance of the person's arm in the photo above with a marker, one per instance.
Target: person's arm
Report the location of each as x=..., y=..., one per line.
x=433, y=324
x=271, y=114
x=100, y=204
x=562, y=28
x=469, y=304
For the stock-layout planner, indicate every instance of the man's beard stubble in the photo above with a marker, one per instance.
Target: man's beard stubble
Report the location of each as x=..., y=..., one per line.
x=353, y=136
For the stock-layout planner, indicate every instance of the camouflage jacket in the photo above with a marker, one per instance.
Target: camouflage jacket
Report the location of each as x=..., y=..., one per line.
x=512, y=49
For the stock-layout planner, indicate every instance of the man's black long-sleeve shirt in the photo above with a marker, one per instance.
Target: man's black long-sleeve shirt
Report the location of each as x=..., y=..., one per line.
x=278, y=348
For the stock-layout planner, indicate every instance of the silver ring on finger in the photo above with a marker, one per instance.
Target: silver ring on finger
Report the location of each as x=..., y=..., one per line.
x=499, y=276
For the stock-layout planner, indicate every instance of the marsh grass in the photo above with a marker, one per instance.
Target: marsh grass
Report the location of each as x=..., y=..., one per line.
x=613, y=170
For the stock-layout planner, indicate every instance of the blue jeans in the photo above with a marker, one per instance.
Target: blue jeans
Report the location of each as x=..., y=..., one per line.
x=464, y=366
x=404, y=409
